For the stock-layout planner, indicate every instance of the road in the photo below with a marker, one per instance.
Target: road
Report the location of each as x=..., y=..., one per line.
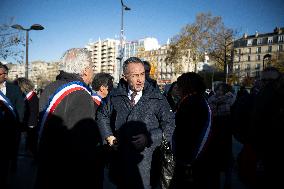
x=24, y=177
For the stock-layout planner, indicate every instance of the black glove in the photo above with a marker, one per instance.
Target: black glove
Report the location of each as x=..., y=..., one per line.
x=139, y=141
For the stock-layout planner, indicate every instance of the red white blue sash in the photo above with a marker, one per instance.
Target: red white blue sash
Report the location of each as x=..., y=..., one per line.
x=30, y=95
x=97, y=98
x=58, y=96
x=206, y=132
x=7, y=103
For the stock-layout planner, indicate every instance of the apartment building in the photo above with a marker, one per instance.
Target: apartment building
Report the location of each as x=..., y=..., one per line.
x=163, y=71
x=104, y=55
x=132, y=48
x=16, y=71
x=40, y=73
x=252, y=53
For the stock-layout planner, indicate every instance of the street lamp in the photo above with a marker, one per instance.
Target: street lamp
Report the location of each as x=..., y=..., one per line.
x=121, y=50
x=33, y=27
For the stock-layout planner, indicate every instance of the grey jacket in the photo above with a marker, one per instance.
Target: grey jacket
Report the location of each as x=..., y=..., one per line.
x=152, y=111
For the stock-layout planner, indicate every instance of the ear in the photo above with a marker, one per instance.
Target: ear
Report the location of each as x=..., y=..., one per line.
x=101, y=88
x=85, y=72
x=124, y=77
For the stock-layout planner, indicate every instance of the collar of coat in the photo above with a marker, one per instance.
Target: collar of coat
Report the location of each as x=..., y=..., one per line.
x=148, y=92
x=68, y=77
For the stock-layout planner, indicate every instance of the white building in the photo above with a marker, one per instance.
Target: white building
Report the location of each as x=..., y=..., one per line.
x=104, y=56
x=105, y=53
x=145, y=44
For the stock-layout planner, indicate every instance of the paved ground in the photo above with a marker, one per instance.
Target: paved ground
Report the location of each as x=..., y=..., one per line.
x=236, y=183
x=23, y=178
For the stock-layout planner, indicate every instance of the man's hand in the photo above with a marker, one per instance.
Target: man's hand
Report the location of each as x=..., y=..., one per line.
x=111, y=140
x=139, y=141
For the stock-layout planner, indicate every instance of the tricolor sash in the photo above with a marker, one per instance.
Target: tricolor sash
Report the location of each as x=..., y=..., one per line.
x=97, y=98
x=30, y=95
x=206, y=132
x=7, y=103
x=58, y=96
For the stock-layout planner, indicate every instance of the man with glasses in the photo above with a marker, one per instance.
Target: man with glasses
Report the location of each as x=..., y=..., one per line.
x=11, y=114
x=133, y=120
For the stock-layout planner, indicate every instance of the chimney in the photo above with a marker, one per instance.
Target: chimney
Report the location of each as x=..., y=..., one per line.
x=256, y=33
x=245, y=35
x=276, y=30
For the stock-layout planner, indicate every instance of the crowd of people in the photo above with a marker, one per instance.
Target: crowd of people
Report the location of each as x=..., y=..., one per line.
x=81, y=125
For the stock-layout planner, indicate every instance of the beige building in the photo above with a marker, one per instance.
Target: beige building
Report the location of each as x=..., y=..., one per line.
x=40, y=73
x=105, y=54
x=16, y=71
x=163, y=71
x=254, y=52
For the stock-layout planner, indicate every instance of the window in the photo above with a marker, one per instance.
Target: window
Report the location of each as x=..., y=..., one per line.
x=257, y=70
x=258, y=57
x=249, y=50
x=249, y=58
x=269, y=48
x=249, y=43
x=259, y=41
x=270, y=40
x=240, y=51
x=280, y=38
x=237, y=67
x=258, y=50
x=248, y=67
x=257, y=66
x=280, y=48
x=239, y=58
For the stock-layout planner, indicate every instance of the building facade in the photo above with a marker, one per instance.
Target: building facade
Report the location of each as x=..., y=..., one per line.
x=104, y=56
x=254, y=52
x=40, y=73
x=161, y=70
x=132, y=48
x=105, y=53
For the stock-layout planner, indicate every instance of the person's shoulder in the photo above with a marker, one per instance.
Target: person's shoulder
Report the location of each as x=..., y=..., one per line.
x=156, y=93
x=12, y=87
x=50, y=89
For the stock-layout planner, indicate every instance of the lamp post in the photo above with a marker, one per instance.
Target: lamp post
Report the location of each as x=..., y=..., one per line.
x=121, y=50
x=33, y=27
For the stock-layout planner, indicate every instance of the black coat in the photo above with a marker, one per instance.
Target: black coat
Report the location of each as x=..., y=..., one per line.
x=14, y=94
x=9, y=126
x=31, y=111
x=192, y=116
x=150, y=116
x=30, y=122
x=67, y=152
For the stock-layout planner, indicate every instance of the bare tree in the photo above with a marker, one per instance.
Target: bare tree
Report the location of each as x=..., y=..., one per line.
x=206, y=34
x=10, y=39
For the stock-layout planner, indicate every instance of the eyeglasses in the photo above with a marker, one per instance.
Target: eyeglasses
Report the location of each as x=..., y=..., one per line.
x=4, y=73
